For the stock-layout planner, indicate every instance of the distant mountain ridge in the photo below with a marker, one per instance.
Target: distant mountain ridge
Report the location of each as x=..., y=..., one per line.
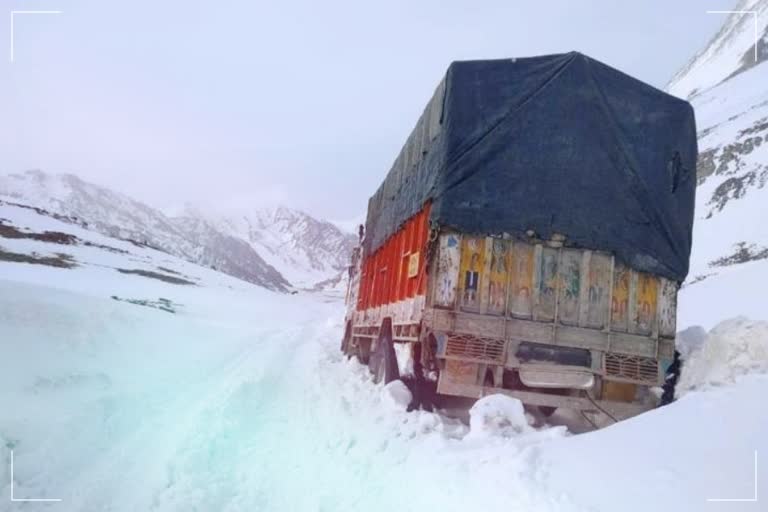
x=285, y=243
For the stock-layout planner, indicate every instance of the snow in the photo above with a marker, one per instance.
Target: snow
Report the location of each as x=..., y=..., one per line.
x=723, y=55
x=738, y=96
x=674, y=458
x=689, y=340
x=731, y=291
x=404, y=359
x=734, y=348
x=396, y=395
x=498, y=415
x=241, y=401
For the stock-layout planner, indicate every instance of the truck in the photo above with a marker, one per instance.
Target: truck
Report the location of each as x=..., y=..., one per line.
x=530, y=239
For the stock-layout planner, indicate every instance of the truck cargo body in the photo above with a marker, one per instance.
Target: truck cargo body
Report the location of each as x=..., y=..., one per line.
x=536, y=320
x=530, y=239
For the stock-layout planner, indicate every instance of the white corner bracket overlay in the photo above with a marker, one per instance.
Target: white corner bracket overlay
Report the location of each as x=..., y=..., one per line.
x=15, y=499
x=752, y=499
x=18, y=13
x=754, y=20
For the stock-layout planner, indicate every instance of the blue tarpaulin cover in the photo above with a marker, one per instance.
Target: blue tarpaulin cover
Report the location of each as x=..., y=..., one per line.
x=558, y=144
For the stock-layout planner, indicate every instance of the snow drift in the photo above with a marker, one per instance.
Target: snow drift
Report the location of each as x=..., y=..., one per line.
x=734, y=348
x=498, y=415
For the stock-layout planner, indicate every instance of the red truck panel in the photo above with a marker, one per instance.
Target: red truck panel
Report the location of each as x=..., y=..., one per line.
x=385, y=278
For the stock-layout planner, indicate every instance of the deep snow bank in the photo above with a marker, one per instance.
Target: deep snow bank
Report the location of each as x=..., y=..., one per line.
x=726, y=293
x=679, y=457
x=734, y=348
x=701, y=447
x=675, y=458
x=498, y=415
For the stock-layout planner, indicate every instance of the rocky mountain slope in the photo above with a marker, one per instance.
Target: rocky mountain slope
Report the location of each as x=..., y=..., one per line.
x=308, y=250
x=727, y=88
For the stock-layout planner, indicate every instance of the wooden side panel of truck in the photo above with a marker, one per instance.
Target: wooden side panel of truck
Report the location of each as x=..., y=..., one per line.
x=552, y=325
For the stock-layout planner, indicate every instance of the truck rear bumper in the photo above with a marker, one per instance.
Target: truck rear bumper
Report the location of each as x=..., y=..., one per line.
x=541, y=376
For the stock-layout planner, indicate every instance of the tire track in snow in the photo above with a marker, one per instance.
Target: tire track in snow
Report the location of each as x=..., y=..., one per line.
x=131, y=474
x=230, y=433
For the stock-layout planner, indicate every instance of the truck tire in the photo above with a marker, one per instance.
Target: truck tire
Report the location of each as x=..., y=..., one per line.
x=383, y=361
x=547, y=410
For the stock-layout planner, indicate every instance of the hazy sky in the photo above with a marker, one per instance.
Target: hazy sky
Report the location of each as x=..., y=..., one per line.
x=299, y=102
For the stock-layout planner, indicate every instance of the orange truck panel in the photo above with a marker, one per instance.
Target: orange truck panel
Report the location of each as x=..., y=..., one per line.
x=396, y=270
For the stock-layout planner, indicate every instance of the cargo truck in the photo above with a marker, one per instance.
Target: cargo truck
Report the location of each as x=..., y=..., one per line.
x=531, y=238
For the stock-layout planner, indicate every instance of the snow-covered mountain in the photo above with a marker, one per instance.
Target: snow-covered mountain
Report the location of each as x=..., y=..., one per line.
x=228, y=254
x=730, y=52
x=727, y=88
x=309, y=252
x=277, y=248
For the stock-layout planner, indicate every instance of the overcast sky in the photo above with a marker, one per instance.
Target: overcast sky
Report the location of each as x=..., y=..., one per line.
x=299, y=102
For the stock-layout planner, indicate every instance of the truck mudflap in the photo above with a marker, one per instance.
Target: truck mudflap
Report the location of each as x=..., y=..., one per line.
x=617, y=411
